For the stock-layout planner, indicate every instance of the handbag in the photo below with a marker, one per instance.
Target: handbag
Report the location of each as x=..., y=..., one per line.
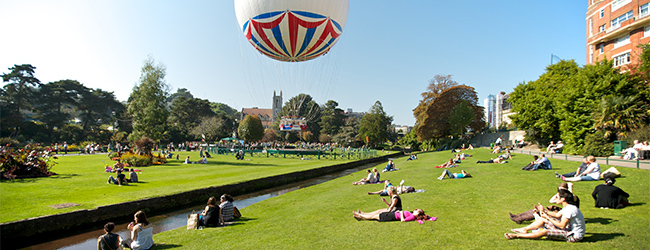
x=192, y=221
x=235, y=213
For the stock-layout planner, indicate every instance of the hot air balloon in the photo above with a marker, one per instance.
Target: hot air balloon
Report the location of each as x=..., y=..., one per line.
x=292, y=30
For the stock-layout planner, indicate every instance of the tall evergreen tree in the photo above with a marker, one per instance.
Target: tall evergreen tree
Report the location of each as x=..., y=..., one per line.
x=147, y=102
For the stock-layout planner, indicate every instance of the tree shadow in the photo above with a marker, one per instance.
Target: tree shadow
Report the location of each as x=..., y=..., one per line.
x=63, y=176
x=602, y=221
x=595, y=237
x=237, y=222
x=241, y=163
x=165, y=246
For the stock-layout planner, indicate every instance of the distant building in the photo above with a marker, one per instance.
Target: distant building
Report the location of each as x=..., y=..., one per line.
x=403, y=129
x=350, y=113
x=614, y=30
x=497, y=109
x=267, y=116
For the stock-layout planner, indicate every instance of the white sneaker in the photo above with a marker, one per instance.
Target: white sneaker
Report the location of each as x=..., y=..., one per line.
x=440, y=178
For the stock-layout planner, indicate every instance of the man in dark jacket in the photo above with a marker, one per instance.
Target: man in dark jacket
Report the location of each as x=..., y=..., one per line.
x=609, y=196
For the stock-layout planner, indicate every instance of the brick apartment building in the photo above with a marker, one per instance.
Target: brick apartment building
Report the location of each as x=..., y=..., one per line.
x=614, y=30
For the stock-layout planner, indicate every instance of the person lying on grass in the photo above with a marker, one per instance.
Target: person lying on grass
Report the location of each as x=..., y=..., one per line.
x=462, y=174
x=403, y=216
x=449, y=164
x=567, y=225
x=532, y=214
x=401, y=189
x=497, y=160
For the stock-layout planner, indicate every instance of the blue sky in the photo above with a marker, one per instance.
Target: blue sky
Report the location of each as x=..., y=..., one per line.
x=389, y=50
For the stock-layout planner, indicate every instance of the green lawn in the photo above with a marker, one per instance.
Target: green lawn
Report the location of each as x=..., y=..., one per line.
x=81, y=179
x=472, y=213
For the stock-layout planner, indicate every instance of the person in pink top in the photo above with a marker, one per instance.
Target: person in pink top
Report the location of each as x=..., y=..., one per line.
x=403, y=216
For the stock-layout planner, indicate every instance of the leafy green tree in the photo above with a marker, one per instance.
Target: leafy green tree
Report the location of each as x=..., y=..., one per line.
x=251, y=129
x=97, y=108
x=437, y=84
x=224, y=109
x=269, y=135
x=147, y=102
x=187, y=113
x=619, y=115
x=461, y=117
x=16, y=95
x=375, y=125
x=644, y=67
x=410, y=140
x=349, y=132
x=535, y=103
x=332, y=118
x=57, y=99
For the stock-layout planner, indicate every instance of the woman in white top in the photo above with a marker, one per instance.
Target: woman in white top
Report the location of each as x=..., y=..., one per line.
x=591, y=174
x=141, y=233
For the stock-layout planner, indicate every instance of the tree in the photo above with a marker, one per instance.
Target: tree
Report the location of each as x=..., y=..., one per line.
x=57, y=99
x=620, y=114
x=332, y=118
x=96, y=107
x=375, y=125
x=224, y=109
x=269, y=135
x=461, y=116
x=15, y=95
x=186, y=113
x=251, y=129
x=349, y=132
x=147, y=102
x=434, y=121
x=213, y=128
x=438, y=84
x=535, y=103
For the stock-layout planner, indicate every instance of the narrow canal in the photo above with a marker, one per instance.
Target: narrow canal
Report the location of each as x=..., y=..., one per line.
x=175, y=219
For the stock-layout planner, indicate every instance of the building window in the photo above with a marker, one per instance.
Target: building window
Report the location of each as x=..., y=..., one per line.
x=591, y=57
x=644, y=10
x=624, y=40
x=646, y=31
x=602, y=13
x=601, y=48
x=601, y=28
x=619, y=3
x=622, y=59
x=616, y=22
x=591, y=26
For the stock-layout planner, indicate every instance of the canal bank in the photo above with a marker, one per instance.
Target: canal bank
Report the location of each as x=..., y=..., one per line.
x=14, y=234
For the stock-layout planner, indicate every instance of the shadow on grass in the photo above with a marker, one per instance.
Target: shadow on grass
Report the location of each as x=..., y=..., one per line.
x=239, y=221
x=165, y=246
x=244, y=163
x=602, y=221
x=595, y=237
x=636, y=204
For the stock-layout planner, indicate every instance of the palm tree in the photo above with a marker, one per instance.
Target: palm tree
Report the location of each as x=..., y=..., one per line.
x=620, y=114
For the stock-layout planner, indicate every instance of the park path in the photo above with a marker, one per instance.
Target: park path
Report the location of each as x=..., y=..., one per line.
x=612, y=160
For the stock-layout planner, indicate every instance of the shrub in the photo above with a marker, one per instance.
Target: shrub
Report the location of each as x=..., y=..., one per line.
x=6, y=141
x=25, y=163
x=135, y=160
x=597, y=144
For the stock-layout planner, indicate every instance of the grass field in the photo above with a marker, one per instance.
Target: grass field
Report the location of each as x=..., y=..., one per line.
x=472, y=213
x=81, y=179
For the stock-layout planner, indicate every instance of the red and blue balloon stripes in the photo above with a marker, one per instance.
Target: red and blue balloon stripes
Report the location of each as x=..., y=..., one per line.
x=320, y=33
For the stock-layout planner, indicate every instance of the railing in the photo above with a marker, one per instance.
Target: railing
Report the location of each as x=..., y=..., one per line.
x=579, y=157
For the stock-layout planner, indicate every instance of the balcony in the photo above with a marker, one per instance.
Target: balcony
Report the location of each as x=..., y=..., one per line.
x=624, y=27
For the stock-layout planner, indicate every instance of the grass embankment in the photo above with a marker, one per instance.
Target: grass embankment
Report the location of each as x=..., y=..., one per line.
x=81, y=179
x=472, y=213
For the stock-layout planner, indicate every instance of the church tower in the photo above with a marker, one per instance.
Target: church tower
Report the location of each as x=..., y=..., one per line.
x=277, y=105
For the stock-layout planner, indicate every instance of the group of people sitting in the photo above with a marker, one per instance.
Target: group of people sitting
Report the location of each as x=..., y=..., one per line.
x=390, y=166
x=637, y=151
x=203, y=160
x=216, y=215
x=120, y=178
x=539, y=162
x=372, y=178
x=555, y=148
x=140, y=237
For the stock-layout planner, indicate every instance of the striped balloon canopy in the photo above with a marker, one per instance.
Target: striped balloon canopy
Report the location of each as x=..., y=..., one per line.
x=292, y=30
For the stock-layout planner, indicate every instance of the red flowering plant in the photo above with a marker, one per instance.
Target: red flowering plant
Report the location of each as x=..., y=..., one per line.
x=26, y=162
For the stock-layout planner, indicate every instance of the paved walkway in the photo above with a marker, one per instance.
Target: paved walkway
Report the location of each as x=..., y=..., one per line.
x=612, y=160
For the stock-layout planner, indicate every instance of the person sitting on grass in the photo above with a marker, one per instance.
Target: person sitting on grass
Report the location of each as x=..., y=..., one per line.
x=121, y=179
x=609, y=196
x=462, y=174
x=592, y=173
x=133, y=176
x=227, y=207
x=375, y=176
x=366, y=180
x=141, y=233
x=109, y=241
x=239, y=155
x=403, y=216
x=531, y=214
x=583, y=166
x=203, y=161
x=211, y=215
x=118, y=166
x=569, y=224
x=395, y=201
x=187, y=160
x=390, y=166
x=496, y=150
x=207, y=154
x=538, y=162
x=412, y=157
x=506, y=156
x=449, y=164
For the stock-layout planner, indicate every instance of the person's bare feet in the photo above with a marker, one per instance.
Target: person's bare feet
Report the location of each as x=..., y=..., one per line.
x=518, y=230
x=510, y=236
